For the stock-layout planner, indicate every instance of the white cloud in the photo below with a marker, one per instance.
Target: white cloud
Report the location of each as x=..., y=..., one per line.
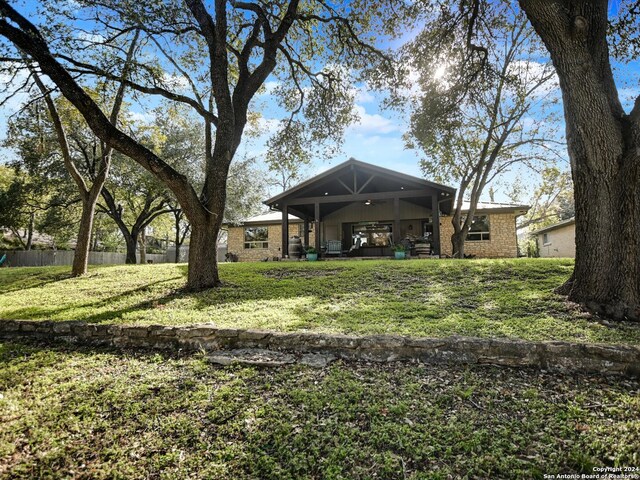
x=528, y=122
x=91, y=37
x=9, y=86
x=141, y=117
x=413, y=79
x=532, y=72
x=176, y=82
x=372, y=123
x=362, y=95
x=268, y=124
x=11, y=106
x=268, y=88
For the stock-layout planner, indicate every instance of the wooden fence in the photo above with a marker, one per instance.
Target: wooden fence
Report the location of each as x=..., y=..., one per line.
x=45, y=258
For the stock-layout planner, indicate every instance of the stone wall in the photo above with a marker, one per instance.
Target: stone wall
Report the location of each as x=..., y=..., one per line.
x=235, y=242
x=503, y=242
x=560, y=356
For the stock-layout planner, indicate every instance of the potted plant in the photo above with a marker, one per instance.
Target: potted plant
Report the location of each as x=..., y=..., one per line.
x=400, y=251
x=312, y=254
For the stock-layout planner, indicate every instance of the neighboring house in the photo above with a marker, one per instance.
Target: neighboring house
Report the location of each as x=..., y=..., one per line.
x=365, y=210
x=558, y=240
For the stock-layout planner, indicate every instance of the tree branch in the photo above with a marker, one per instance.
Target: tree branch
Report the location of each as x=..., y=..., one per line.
x=28, y=39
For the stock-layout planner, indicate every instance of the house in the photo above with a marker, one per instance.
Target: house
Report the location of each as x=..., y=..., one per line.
x=557, y=240
x=362, y=210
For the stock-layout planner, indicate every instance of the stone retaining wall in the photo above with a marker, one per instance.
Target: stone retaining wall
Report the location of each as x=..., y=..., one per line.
x=562, y=356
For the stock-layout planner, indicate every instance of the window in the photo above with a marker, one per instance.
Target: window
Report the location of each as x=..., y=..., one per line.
x=371, y=235
x=427, y=229
x=545, y=239
x=256, y=237
x=479, y=229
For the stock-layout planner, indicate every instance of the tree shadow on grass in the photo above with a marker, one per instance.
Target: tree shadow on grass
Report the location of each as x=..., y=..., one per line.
x=102, y=311
x=29, y=313
x=30, y=281
x=125, y=413
x=343, y=300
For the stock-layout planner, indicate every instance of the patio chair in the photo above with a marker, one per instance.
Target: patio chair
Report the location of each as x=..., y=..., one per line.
x=334, y=247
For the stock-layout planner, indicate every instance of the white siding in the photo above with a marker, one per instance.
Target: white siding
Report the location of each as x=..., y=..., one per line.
x=561, y=242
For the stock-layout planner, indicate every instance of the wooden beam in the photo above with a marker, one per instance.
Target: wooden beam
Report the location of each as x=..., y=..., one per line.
x=285, y=231
x=435, y=218
x=317, y=225
x=365, y=184
x=355, y=179
x=361, y=197
x=345, y=186
x=396, y=221
x=297, y=213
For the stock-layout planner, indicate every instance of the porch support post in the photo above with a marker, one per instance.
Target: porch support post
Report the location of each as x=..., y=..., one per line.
x=317, y=225
x=285, y=231
x=396, y=220
x=306, y=232
x=435, y=218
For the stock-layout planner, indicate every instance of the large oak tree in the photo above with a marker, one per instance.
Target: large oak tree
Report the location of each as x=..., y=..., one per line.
x=222, y=53
x=603, y=139
x=603, y=142
x=89, y=189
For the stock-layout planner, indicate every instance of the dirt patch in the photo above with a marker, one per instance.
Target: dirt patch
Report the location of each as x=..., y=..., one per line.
x=283, y=273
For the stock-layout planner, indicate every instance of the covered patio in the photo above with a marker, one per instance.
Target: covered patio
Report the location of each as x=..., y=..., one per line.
x=359, y=209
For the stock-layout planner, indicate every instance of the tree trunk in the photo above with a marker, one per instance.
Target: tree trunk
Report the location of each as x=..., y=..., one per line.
x=457, y=243
x=81, y=255
x=178, y=242
x=203, y=255
x=205, y=225
x=143, y=247
x=32, y=219
x=603, y=145
x=131, y=241
x=96, y=237
x=460, y=228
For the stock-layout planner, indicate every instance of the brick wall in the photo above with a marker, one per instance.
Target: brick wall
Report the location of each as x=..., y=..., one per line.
x=503, y=243
x=235, y=242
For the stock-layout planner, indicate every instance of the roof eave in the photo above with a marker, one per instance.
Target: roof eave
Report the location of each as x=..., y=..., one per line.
x=352, y=161
x=564, y=223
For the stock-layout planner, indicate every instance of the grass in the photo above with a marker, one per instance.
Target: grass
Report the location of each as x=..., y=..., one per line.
x=485, y=298
x=79, y=413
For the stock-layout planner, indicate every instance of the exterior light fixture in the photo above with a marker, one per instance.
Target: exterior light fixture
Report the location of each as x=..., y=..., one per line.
x=368, y=202
x=326, y=193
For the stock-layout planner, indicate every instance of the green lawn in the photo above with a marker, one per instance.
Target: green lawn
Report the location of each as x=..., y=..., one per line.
x=80, y=413
x=504, y=298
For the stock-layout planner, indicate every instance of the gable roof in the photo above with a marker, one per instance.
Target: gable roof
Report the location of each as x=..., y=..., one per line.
x=353, y=163
x=563, y=223
x=519, y=208
x=270, y=217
